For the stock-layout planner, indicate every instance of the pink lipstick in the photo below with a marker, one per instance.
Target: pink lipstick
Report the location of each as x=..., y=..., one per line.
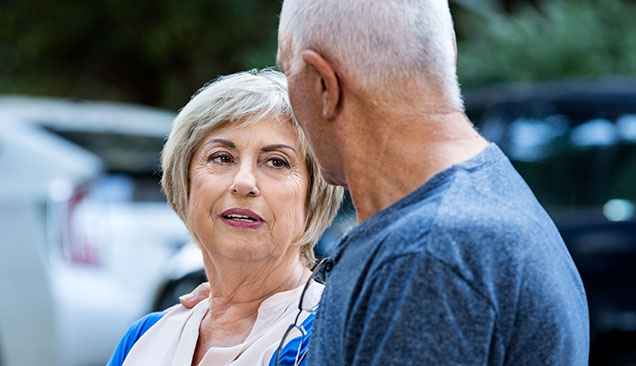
x=242, y=218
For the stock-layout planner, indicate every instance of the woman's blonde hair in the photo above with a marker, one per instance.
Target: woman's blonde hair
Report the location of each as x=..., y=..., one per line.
x=238, y=100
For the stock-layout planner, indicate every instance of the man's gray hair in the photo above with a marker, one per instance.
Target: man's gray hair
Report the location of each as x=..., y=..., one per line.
x=382, y=44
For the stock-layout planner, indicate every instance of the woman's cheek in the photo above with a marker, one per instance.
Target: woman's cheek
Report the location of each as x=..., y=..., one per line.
x=296, y=211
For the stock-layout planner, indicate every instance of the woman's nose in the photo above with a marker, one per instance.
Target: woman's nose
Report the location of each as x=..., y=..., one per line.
x=244, y=183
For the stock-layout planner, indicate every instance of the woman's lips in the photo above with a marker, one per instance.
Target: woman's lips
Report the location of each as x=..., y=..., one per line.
x=242, y=218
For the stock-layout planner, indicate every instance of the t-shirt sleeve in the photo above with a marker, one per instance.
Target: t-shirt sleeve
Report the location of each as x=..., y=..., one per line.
x=416, y=310
x=136, y=330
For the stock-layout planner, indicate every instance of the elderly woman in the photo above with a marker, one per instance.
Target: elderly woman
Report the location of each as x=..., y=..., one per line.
x=238, y=171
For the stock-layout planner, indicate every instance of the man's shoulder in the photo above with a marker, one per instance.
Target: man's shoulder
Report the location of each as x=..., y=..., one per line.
x=456, y=215
x=480, y=232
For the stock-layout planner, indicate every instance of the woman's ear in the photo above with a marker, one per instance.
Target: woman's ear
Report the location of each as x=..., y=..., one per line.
x=328, y=83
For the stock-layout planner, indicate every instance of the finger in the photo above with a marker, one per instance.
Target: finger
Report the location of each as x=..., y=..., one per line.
x=196, y=296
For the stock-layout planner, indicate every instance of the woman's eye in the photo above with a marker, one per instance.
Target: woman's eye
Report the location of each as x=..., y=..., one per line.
x=277, y=163
x=220, y=158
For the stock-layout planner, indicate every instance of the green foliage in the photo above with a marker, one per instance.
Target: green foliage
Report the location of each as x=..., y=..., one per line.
x=160, y=52
x=559, y=39
x=153, y=52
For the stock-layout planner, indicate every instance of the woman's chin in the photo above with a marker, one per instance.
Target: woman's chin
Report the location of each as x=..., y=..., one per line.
x=240, y=247
x=241, y=254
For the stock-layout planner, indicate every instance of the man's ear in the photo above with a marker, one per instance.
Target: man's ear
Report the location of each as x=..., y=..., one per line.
x=329, y=85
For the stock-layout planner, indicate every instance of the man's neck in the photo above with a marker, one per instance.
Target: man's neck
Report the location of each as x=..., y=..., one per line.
x=396, y=155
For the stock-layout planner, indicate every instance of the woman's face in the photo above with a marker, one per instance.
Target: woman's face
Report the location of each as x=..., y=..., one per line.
x=248, y=187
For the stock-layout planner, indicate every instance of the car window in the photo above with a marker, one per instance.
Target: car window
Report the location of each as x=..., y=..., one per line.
x=533, y=139
x=571, y=157
x=133, y=154
x=622, y=179
x=626, y=126
x=136, y=157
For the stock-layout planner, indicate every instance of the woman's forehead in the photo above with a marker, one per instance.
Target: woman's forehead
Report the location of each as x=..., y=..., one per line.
x=257, y=131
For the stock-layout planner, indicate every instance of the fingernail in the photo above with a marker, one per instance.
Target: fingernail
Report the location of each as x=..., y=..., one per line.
x=186, y=297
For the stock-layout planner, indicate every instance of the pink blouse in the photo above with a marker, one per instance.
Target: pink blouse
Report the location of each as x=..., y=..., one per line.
x=172, y=340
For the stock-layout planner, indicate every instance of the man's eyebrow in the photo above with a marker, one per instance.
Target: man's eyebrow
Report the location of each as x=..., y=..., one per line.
x=275, y=147
x=227, y=143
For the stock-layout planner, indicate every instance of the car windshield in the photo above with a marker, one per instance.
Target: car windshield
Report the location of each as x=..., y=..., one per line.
x=121, y=153
x=573, y=154
x=130, y=158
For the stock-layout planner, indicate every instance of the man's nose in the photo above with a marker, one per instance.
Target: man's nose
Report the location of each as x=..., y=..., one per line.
x=244, y=183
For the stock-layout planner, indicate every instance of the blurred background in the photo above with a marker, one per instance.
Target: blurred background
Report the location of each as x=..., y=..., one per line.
x=88, y=91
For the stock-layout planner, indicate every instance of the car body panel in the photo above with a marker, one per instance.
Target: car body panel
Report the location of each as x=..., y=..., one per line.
x=73, y=312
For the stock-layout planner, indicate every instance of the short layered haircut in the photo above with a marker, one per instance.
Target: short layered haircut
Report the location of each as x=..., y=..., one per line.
x=387, y=46
x=239, y=100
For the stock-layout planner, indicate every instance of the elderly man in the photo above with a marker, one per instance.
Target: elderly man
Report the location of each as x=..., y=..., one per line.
x=454, y=261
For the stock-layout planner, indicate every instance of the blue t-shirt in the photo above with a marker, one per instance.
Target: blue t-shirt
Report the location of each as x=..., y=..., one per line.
x=287, y=354
x=466, y=270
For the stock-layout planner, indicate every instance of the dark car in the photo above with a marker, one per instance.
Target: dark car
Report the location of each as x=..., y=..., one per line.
x=575, y=145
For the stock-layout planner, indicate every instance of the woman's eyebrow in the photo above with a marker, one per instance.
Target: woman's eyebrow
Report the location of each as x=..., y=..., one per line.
x=275, y=147
x=227, y=143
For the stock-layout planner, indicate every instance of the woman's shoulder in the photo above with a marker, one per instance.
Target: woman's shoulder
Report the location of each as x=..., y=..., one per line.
x=147, y=321
x=134, y=332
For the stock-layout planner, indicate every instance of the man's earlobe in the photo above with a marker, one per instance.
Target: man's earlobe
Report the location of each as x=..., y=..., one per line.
x=329, y=87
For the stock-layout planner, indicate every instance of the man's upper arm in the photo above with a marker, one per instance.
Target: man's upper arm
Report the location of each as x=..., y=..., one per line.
x=418, y=310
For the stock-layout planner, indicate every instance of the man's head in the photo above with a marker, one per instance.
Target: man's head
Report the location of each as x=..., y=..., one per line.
x=352, y=64
x=396, y=49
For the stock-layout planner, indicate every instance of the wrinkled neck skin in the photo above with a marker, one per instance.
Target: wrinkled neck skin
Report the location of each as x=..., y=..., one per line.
x=246, y=284
x=237, y=290
x=390, y=150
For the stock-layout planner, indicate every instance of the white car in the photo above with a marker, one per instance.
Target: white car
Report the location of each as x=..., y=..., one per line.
x=87, y=242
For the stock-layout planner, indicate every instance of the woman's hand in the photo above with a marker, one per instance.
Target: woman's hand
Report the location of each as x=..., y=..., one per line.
x=201, y=292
